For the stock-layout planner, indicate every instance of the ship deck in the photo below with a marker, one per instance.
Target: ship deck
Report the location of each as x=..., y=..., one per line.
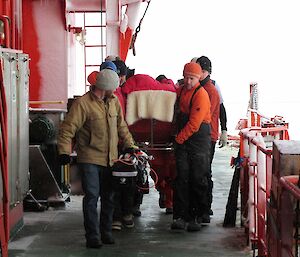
x=60, y=233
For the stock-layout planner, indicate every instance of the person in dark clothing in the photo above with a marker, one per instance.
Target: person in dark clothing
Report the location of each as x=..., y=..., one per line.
x=213, y=94
x=223, y=116
x=121, y=70
x=192, y=151
x=206, y=66
x=223, y=122
x=161, y=77
x=124, y=194
x=130, y=73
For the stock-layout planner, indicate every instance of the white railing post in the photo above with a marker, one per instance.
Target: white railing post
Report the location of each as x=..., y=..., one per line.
x=252, y=194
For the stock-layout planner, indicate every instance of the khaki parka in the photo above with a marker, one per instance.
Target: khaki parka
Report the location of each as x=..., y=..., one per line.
x=97, y=126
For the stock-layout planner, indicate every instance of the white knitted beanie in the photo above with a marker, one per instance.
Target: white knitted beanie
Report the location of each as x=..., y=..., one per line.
x=107, y=80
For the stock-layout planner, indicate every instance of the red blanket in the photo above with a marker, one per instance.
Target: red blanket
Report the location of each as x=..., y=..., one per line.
x=141, y=130
x=144, y=82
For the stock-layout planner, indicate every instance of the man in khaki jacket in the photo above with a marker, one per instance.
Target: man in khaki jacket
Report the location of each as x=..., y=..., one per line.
x=97, y=123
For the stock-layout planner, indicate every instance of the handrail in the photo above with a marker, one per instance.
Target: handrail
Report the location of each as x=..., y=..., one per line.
x=256, y=176
x=257, y=133
x=290, y=184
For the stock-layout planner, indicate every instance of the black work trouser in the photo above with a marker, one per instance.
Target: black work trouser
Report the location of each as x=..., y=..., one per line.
x=138, y=198
x=191, y=182
x=210, y=181
x=124, y=199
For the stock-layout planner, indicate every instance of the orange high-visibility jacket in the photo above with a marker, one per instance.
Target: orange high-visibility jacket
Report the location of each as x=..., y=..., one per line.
x=198, y=113
x=214, y=109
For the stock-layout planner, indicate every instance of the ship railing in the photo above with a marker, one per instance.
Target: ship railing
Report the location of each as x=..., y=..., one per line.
x=255, y=181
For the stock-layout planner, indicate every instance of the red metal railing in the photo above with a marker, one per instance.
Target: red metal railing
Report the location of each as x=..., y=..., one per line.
x=270, y=200
x=4, y=218
x=257, y=134
x=290, y=183
x=256, y=172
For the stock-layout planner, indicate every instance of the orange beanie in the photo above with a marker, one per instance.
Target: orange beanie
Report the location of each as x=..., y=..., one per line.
x=92, y=77
x=192, y=69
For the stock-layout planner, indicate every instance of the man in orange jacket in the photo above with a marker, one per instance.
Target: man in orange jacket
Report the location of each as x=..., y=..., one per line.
x=223, y=115
x=214, y=98
x=192, y=152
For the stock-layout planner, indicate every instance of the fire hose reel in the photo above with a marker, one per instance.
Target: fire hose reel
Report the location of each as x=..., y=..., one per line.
x=41, y=129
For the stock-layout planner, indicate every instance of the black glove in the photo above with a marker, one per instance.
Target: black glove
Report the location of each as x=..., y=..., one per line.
x=64, y=159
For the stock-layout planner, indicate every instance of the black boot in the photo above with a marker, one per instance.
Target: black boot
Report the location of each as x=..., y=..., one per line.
x=178, y=224
x=107, y=239
x=193, y=226
x=93, y=244
x=162, y=200
x=205, y=218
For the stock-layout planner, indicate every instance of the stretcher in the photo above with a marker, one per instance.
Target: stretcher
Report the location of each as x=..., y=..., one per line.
x=148, y=108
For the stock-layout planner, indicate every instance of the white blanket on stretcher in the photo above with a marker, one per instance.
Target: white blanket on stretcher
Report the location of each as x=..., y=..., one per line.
x=150, y=104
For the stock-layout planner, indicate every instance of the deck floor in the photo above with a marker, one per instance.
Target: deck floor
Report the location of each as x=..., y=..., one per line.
x=60, y=232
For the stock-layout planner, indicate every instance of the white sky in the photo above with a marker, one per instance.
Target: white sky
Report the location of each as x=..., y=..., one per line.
x=246, y=40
